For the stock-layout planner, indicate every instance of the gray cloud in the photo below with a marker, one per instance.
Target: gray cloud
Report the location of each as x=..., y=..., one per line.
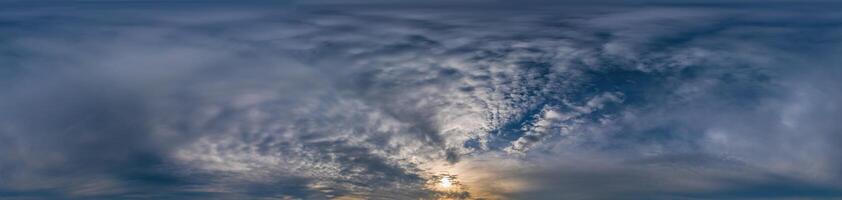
x=325, y=101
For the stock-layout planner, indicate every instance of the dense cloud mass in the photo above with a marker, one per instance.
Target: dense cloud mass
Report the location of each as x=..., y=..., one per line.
x=385, y=100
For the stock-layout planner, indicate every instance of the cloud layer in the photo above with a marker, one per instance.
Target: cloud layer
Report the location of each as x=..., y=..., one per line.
x=379, y=101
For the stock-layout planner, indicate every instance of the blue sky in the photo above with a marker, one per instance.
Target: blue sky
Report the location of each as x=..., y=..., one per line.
x=387, y=100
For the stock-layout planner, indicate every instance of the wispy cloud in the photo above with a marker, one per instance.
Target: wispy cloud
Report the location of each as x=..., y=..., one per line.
x=377, y=101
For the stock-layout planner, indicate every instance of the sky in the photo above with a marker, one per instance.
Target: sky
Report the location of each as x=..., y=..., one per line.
x=420, y=100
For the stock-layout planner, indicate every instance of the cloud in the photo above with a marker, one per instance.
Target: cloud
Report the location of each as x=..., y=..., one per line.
x=319, y=101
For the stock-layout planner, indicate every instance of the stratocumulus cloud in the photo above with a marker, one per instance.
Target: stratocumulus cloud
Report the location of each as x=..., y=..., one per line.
x=384, y=100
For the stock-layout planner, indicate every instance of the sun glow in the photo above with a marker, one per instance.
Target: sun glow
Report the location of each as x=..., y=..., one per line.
x=445, y=182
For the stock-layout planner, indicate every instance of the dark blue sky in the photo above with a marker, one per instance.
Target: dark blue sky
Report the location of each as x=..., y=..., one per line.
x=411, y=100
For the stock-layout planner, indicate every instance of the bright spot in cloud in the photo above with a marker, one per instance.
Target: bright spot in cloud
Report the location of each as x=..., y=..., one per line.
x=445, y=181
